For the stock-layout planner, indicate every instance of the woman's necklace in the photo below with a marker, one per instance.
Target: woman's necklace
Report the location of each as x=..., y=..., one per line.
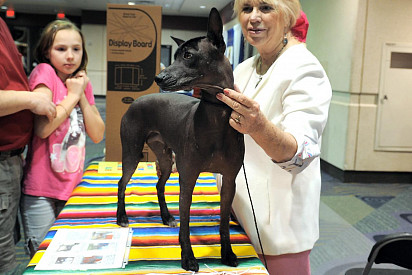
x=260, y=62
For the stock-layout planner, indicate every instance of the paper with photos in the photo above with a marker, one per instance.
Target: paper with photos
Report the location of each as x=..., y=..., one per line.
x=83, y=249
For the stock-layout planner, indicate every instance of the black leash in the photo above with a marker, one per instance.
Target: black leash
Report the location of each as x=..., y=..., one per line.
x=247, y=184
x=254, y=216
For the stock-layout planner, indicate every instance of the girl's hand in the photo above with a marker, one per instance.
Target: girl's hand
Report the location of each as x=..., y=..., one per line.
x=83, y=74
x=246, y=116
x=77, y=84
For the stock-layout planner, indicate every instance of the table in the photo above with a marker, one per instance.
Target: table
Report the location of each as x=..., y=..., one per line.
x=155, y=247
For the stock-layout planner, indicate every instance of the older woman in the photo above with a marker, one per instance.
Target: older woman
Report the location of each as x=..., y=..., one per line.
x=280, y=103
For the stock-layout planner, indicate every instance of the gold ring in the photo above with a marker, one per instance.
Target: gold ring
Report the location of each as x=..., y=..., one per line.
x=237, y=120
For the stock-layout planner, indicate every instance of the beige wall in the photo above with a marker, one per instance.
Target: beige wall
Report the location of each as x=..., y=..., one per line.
x=332, y=26
x=95, y=37
x=348, y=36
x=331, y=39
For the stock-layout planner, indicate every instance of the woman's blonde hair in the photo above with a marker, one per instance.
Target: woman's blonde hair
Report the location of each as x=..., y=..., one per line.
x=41, y=52
x=289, y=8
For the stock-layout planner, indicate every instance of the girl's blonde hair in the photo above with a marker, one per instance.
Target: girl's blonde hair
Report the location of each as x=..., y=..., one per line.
x=41, y=52
x=289, y=8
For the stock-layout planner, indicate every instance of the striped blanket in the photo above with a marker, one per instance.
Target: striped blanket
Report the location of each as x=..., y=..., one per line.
x=155, y=247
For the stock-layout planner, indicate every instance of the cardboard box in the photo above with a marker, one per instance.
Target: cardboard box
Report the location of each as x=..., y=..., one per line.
x=133, y=60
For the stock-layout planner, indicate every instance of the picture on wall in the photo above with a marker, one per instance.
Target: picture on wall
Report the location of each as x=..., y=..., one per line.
x=234, y=45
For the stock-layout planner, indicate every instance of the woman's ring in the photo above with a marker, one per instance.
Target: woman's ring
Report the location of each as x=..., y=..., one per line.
x=237, y=120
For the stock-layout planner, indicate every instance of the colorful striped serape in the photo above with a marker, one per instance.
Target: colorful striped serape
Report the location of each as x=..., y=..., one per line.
x=155, y=247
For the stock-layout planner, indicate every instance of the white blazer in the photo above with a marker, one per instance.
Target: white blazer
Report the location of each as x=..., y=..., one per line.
x=294, y=94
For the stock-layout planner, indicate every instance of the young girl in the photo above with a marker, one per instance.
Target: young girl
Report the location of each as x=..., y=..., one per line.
x=56, y=154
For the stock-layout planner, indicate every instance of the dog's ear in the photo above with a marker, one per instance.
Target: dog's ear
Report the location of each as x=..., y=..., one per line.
x=177, y=40
x=215, y=29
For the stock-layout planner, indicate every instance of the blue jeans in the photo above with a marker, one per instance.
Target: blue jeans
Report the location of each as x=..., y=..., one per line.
x=38, y=215
x=11, y=172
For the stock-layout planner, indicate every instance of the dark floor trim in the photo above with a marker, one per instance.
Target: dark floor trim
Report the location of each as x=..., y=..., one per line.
x=366, y=176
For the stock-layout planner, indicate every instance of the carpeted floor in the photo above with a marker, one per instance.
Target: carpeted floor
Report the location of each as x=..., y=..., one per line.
x=353, y=217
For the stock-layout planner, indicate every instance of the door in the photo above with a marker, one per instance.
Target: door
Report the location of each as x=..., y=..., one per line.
x=394, y=121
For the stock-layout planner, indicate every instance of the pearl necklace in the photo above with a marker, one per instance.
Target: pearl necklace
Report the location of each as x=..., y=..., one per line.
x=260, y=62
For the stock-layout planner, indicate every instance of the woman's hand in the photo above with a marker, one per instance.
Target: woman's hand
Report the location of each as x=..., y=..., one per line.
x=246, y=116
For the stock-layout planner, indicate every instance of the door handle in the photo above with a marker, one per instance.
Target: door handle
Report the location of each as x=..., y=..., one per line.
x=384, y=98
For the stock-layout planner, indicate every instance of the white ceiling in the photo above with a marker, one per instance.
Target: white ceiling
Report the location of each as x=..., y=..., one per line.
x=74, y=7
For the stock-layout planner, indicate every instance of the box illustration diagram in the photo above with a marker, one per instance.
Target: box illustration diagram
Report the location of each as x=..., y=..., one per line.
x=133, y=61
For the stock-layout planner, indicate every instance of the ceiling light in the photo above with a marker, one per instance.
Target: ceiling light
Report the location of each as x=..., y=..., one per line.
x=131, y=3
x=203, y=7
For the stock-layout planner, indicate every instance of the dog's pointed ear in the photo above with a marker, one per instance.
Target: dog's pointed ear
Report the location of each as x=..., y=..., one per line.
x=177, y=40
x=215, y=29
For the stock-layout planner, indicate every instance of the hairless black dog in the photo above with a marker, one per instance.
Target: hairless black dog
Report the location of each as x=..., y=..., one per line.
x=196, y=130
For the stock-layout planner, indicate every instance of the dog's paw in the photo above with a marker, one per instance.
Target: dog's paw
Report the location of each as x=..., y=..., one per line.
x=230, y=259
x=190, y=264
x=170, y=221
x=123, y=221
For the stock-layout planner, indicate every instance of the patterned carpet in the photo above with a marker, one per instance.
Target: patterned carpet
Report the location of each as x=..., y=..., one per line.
x=353, y=217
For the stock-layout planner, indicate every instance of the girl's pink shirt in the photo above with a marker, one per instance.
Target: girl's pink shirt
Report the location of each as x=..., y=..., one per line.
x=40, y=179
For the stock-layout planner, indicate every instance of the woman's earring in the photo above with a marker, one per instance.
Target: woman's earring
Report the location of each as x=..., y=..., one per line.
x=285, y=40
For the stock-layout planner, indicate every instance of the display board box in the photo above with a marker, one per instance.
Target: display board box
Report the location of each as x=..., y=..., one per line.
x=133, y=60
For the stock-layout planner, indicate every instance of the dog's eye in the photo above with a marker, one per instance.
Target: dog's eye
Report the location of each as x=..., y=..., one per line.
x=187, y=55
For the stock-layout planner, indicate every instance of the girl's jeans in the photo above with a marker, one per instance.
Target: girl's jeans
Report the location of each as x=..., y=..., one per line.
x=38, y=214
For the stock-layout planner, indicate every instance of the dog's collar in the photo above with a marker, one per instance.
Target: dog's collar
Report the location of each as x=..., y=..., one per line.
x=209, y=86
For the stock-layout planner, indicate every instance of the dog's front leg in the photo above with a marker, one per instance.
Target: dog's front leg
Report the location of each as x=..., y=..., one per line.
x=187, y=184
x=226, y=198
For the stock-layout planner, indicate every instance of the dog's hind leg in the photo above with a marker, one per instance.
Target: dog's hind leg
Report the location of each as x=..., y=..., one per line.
x=226, y=198
x=129, y=165
x=131, y=155
x=164, y=157
x=128, y=171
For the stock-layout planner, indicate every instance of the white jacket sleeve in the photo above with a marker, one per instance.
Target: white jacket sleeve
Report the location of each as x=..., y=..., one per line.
x=305, y=111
